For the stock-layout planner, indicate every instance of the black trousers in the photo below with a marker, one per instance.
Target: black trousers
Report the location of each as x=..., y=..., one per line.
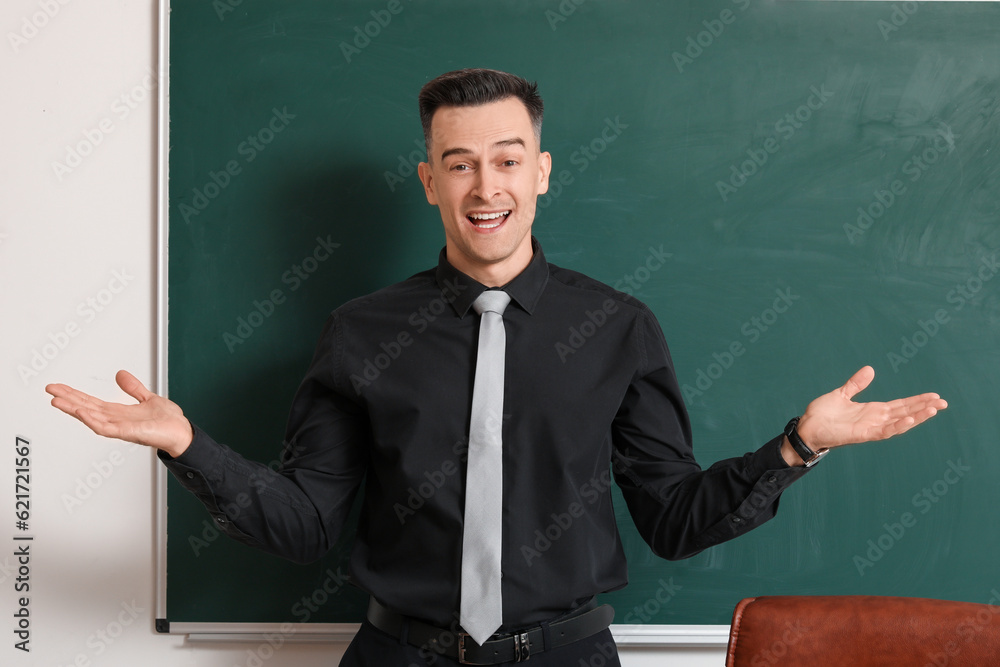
x=373, y=648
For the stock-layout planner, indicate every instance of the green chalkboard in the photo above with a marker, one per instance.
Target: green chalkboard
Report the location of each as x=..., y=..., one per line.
x=823, y=177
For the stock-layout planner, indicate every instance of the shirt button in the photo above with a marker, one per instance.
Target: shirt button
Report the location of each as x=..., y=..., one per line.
x=220, y=519
x=772, y=479
x=736, y=519
x=190, y=475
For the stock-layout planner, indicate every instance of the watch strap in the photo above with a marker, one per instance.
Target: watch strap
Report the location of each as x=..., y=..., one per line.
x=806, y=453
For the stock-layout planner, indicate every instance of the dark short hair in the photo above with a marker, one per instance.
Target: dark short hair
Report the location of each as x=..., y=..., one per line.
x=474, y=87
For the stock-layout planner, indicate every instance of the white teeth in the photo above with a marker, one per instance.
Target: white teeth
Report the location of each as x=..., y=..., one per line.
x=488, y=216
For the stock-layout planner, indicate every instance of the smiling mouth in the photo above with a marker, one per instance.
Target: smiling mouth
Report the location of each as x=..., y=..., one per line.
x=488, y=220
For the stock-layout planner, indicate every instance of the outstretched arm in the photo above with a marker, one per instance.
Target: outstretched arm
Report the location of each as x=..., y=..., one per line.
x=680, y=508
x=154, y=421
x=297, y=511
x=835, y=420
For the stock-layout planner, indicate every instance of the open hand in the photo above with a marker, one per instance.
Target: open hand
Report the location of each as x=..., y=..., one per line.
x=833, y=419
x=155, y=421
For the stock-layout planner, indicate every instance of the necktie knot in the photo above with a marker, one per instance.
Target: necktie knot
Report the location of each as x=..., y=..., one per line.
x=492, y=301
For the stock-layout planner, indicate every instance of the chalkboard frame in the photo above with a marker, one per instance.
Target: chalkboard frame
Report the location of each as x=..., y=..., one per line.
x=679, y=636
x=648, y=635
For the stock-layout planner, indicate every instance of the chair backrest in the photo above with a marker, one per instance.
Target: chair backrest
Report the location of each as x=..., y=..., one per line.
x=863, y=631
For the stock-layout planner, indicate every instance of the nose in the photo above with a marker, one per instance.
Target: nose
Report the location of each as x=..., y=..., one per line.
x=487, y=185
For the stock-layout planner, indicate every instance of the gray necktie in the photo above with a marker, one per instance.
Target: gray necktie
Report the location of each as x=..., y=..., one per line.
x=482, y=608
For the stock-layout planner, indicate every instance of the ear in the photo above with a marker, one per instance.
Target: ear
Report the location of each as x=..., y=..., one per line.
x=544, y=169
x=427, y=178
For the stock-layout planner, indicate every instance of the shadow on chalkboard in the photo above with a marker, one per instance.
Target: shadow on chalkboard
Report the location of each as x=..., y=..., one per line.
x=339, y=212
x=307, y=208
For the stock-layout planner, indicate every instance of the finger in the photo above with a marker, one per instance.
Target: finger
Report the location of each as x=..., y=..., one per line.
x=68, y=399
x=65, y=391
x=923, y=415
x=131, y=386
x=92, y=419
x=97, y=422
x=858, y=382
x=68, y=407
x=897, y=427
x=924, y=398
x=904, y=424
x=913, y=404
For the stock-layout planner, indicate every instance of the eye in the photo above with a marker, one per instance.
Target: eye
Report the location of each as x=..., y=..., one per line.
x=509, y=163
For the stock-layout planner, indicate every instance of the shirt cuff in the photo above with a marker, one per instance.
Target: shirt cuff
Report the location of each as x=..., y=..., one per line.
x=768, y=458
x=200, y=462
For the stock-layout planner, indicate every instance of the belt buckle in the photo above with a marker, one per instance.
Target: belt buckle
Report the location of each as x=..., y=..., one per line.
x=522, y=648
x=462, y=636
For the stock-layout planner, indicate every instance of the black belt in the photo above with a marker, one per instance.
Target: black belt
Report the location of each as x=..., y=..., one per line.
x=583, y=622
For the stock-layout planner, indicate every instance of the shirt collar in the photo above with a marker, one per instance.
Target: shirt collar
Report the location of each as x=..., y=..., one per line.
x=525, y=289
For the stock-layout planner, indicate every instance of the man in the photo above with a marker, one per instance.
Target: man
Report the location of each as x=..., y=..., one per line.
x=458, y=579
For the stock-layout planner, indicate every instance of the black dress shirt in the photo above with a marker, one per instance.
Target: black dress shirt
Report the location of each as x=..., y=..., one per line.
x=590, y=394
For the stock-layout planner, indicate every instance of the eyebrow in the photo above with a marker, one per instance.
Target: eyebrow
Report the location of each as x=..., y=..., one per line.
x=503, y=143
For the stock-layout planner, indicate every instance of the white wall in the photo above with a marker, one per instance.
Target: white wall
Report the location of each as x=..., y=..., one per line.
x=88, y=234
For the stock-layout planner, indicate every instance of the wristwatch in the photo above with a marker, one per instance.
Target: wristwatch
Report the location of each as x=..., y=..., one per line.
x=809, y=456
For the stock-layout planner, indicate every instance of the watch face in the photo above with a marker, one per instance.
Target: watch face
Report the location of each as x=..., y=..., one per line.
x=815, y=459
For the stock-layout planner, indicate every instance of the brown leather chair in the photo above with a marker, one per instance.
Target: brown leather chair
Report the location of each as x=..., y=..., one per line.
x=863, y=631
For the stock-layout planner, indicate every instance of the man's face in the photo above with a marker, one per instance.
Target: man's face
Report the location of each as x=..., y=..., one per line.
x=485, y=172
